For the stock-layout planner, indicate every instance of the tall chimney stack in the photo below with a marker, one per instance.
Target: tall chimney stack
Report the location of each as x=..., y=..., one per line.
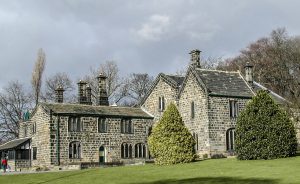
x=81, y=92
x=59, y=94
x=102, y=93
x=88, y=95
x=195, y=58
x=249, y=73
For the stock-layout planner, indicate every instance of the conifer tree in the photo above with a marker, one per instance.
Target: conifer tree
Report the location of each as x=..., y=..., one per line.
x=170, y=141
x=264, y=130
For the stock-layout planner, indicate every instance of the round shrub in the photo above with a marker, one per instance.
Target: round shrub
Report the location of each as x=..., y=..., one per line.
x=264, y=130
x=170, y=141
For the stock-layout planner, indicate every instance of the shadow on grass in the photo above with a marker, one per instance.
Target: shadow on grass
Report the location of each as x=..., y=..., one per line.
x=214, y=180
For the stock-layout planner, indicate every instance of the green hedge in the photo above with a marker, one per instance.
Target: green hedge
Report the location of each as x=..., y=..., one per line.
x=264, y=130
x=170, y=141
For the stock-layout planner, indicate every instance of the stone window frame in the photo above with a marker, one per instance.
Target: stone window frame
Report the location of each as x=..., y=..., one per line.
x=34, y=153
x=78, y=124
x=25, y=131
x=34, y=128
x=102, y=120
x=196, y=138
x=140, y=150
x=192, y=110
x=161, y=103
x=126, y=150
x=127, y=126
x=230, y=139
x=75, y=150
x=233, y=108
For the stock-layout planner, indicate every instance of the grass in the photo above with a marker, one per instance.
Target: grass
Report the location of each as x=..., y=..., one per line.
x=223, y=171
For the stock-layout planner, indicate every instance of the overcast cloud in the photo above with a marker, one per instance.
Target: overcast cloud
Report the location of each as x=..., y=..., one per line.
x=140, y=35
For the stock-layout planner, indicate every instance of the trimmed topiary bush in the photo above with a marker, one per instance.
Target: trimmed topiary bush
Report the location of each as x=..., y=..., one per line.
x=264, y=130
x=170, y=141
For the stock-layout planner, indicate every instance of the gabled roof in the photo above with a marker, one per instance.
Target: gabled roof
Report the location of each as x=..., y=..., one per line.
x=175, y=81
x=13, y=143
x=80, y=109
x=277, y=98
x=176, y=78
x=224, y=83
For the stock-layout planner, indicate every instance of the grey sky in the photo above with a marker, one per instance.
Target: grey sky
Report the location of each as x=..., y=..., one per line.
x=140, y=35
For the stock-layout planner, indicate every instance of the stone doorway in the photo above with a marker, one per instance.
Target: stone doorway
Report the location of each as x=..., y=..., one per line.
x=102, y=155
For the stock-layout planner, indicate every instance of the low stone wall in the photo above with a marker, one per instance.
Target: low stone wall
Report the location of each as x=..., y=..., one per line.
x=22, y=164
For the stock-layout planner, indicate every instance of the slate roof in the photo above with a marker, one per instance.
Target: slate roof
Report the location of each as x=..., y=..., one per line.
x=62, y=108
x=277, y=98
x=13, y=144
x=223, y=83
x=177, y=79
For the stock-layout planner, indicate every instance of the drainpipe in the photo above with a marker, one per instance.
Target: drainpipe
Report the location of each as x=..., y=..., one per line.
x=58, y=141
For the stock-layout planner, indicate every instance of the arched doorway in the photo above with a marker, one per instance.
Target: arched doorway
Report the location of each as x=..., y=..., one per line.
x=230, y=139
x=102, y=155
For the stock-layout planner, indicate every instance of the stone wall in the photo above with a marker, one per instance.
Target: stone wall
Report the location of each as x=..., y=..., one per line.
x=91, y=140
x=22, y=164
x=52, y=139
x=198, y=124
x=220, y=121
x=39, y=139
x=161, y=89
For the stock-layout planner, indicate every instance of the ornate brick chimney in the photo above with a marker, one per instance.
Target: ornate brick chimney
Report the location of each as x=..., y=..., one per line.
x=88, y=95
x=102, y=93
x=81, y=92
x=249, y=73
x=195, y=58
x=59, y=94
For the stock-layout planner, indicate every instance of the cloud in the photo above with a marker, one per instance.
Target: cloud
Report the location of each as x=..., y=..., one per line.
x=155, y=28
x=141, y=36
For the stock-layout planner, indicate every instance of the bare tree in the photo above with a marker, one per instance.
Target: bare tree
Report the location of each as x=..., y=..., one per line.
x=276, y=61
x=206, y=63
x=14, y=101
x=58, y=79
x=37, y=74
x=111, y=70
x=133, y=89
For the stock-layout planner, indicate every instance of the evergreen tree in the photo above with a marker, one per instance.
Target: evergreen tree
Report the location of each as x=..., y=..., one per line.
x=264, y=130
x=170, y=141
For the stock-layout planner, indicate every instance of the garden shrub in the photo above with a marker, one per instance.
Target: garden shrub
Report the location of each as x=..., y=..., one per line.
x=264, y=130
x=170, y=141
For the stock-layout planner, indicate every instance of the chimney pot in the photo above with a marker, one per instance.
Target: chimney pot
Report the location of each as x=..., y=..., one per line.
x=195, y=58
x=249, y=73
x=81, y=92
x=59, y=94
x=88, y=95
x=102, y=92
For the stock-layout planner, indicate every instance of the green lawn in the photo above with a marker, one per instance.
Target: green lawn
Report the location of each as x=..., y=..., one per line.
x=229, y=171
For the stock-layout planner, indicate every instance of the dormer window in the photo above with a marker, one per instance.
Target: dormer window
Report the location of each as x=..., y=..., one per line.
x=233, y=108
x=161, y=103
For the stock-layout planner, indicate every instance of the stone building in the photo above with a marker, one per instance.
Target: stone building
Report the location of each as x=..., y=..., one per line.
x=209, y=102
x=66, y=135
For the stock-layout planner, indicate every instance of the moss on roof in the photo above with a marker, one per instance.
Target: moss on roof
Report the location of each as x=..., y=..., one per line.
x=63, y=108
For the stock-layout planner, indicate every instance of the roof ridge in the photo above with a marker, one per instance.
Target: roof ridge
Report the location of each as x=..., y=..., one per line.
x=213, y=70
x=272, y=92
x=174, y=75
